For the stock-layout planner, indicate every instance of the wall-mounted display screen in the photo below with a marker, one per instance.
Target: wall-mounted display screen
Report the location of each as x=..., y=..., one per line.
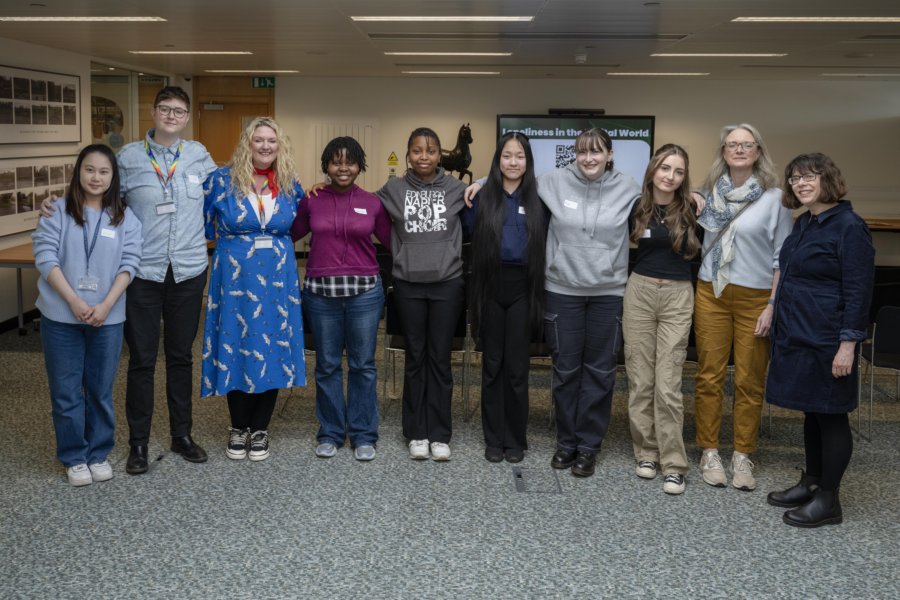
x=553, y=139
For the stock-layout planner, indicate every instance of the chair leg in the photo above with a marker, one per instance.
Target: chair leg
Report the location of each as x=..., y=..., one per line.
x=871, y=397
x=384, y=397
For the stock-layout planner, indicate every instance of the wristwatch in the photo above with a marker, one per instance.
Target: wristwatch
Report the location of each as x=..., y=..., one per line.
x=772, y=302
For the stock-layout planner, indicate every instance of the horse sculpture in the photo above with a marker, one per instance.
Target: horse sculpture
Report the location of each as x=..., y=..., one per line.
x=460, y=157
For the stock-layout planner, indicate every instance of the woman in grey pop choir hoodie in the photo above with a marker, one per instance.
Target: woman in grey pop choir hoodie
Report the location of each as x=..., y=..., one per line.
x=587, y=269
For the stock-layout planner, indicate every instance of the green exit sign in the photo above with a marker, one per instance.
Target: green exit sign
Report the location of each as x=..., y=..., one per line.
x=263, y=82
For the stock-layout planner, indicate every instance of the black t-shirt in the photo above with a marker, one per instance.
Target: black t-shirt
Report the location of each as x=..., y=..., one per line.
x=655, y=257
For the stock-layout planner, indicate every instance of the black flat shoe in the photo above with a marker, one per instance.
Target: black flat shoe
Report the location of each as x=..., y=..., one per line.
x=190, y=451
x=823, y=509
x=795, y=496
x=514, y=455
x=137, y=460
x=584, y=464
x=493, y=455
x=563, y=459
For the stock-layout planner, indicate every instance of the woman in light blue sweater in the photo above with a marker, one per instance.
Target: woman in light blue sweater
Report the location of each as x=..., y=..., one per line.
x=87, y=254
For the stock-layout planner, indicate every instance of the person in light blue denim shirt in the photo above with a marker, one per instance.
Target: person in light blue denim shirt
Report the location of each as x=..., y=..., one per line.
x=82, y=302
x=162, y=181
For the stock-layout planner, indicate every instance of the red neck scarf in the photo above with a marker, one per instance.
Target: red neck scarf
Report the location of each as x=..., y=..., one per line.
x=273, y=180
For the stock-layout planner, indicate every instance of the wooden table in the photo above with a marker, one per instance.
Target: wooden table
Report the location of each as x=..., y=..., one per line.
x=882, y=224
x=18, y=258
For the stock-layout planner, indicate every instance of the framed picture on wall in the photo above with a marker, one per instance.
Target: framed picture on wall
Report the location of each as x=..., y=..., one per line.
x=24, y=183
x=37, y=107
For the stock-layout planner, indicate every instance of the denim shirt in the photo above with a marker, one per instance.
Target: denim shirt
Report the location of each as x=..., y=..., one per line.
x=176, y=238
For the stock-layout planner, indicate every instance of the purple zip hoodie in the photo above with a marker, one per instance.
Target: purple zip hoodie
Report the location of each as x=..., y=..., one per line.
x=342, y=226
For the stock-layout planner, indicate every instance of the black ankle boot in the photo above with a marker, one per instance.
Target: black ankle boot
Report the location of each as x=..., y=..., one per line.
x=823, y=509
x=795, y=496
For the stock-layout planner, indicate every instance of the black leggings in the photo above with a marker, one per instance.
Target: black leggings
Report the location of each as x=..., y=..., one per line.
x=829, y=444
x=253, y=411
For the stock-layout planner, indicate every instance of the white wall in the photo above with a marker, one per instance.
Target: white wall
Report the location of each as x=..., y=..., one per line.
x=855, y=122
x=31, y=56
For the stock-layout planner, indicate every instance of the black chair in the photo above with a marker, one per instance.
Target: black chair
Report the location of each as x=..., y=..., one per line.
x=309, y=349
x=883, y=352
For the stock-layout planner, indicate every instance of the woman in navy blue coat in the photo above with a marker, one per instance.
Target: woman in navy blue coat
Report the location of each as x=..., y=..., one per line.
x=821, y=313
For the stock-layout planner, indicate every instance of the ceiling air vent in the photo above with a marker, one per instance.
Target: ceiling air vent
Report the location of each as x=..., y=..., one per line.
x=875, y=39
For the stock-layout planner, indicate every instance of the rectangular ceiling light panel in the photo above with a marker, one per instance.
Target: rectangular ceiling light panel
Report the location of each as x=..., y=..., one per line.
x=248, y=71
x=722, y=55
x=452, y=72
x=657, y=74
x=816, y=20
x=448, y=53
x=180, y=52
x=82, y=19
x=531, y=36
x=445, y=19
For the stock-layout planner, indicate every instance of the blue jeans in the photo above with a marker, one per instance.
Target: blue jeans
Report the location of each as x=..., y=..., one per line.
x=82, y=361
x=351, y=323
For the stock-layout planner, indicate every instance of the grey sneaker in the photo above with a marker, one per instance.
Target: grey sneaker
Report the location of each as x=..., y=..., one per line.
x=418, y=449
x=101, y=471
x=742, y=472
x=646, y=469
x=364, y=452
x=79, y=475
x=326, y=450
x=712, y=469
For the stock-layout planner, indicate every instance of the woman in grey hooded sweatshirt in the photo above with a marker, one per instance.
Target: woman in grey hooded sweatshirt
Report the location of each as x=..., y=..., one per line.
x=587, y=269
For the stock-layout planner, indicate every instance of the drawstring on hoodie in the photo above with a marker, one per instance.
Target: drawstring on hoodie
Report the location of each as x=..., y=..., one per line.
x=584, y=206
x=336, y=233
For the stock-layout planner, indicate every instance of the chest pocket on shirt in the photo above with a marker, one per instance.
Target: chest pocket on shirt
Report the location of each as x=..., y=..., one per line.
x=193, y=182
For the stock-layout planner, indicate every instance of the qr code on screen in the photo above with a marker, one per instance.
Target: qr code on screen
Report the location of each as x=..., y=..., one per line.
x=564, y=155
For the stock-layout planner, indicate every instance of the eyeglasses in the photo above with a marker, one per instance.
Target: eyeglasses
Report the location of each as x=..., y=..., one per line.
x=165, y=110
x=805, y=177
x=748, y=146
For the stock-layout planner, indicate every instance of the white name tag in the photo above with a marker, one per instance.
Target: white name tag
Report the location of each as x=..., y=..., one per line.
x=193, y=179
x=646, y=233
x=164, y=208
x=360, y=211
x=521, y=210
x=108, y=233
x=263, y=242
x=88, y=284
x=570, y=204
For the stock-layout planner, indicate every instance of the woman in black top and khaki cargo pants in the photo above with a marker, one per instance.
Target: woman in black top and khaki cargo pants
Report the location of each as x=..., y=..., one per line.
x=656, y=323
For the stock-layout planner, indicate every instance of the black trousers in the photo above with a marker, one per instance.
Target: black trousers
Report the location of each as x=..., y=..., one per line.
x=505, y=362
x=251, y=411
x=584, y=334
x=428, y=314
x=180, y=305
x=829, y=445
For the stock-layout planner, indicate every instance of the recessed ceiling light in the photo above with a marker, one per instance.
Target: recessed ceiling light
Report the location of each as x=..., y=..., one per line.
x=860, y=74
x=83, y=19
x=721, y=54
x=449, y=53
x=655, y=74
x=181, y=52
x=491, y=19
x=817, y=20
x=140, y=73
x=247, y=71
x=112, y=68
x=452, y=72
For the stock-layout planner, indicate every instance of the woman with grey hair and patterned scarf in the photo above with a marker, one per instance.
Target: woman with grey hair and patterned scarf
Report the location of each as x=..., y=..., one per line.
x=745, y=226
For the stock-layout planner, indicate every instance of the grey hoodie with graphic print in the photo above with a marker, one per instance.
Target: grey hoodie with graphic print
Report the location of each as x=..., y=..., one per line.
x=426, y=238
x=587, y=243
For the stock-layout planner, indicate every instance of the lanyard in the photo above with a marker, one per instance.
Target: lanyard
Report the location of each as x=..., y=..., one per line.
x=90, y=251
x=165, y=181
x=259, y=203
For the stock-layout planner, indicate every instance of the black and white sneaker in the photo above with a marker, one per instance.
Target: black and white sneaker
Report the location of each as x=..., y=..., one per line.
x=674, y=484
x=646, y=469
x=238, y=443
x=259, y=445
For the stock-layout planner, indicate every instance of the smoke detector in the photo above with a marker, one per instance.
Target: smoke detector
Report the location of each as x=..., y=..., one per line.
x=580, y=59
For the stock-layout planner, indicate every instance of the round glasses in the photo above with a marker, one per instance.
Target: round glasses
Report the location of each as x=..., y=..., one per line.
x=165, y=110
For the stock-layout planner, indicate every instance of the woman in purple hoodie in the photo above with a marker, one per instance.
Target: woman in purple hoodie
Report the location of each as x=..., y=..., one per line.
x=343, y=297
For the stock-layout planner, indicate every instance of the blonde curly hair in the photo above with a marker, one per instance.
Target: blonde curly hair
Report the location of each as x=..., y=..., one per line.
x=242, y=160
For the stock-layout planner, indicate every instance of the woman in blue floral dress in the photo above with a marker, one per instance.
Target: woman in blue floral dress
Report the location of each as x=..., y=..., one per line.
x=253, y=337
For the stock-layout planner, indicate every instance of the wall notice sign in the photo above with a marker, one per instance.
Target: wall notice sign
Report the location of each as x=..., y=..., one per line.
x=392, y=160
x=263, y=82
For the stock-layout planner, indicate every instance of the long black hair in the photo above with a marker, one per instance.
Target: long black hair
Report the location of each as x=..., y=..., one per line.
x=486, y=258
x=112, y=200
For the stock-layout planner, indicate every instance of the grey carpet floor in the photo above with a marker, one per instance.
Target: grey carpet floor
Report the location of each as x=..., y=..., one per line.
x=295, y=526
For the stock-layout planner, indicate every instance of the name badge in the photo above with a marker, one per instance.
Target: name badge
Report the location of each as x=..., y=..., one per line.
x=111, y=234
x=164, y=208
x=360, y=211
x=570, y=204
x=521, y=210
x=263, y=242
x=88, y=284
x=193, y=179
x=646, y=233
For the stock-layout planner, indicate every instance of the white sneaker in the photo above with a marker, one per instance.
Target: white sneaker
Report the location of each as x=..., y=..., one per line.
x=646, y=469
x=742, y=471
x=439, y=451
x=418, y=449
x=79, y=475
x=101, y=471
x=712, y=470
